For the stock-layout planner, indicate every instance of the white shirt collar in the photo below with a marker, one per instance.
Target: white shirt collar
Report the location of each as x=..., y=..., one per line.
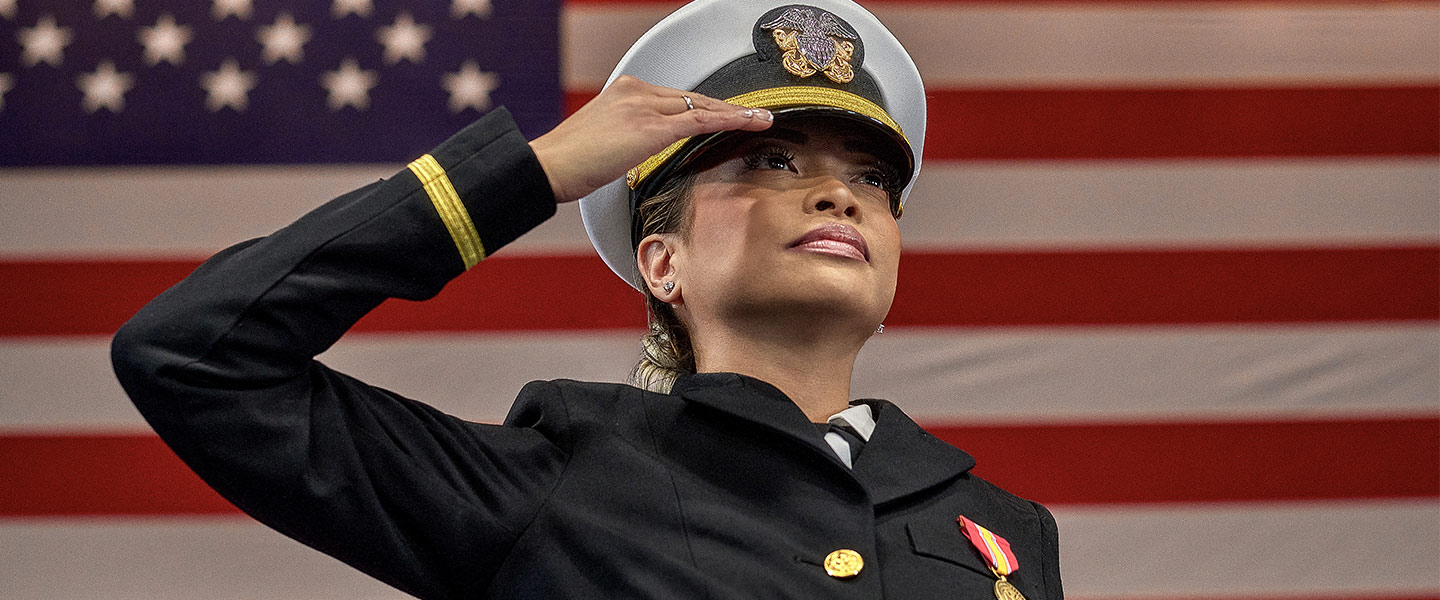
x=858, y=417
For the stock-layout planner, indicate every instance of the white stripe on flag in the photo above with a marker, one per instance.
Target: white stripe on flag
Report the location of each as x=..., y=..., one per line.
x=1120, y=374
x=1293, y=550
x=194, y=211
x=1007, y=375
x=1105, y=44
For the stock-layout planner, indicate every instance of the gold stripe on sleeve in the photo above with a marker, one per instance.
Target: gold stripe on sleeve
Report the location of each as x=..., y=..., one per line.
x=452, y=212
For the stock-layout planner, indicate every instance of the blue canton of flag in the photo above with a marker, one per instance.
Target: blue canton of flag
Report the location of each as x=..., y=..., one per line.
x=266, y=81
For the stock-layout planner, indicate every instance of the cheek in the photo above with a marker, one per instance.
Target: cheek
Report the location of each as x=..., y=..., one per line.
x=727, y=218
x=712, y=221
x=719, y=231
x=887, y=259
x=885, y=235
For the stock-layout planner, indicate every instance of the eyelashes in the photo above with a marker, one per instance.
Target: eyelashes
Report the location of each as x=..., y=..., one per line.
x=879, y=173
x=767, y=157
x=889, y=176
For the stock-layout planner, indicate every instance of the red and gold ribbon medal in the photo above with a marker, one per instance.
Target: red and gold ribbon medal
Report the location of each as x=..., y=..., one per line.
x=997, y=554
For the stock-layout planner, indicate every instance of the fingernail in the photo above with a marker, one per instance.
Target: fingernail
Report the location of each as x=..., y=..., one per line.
x=748, y=113
x=769, y=116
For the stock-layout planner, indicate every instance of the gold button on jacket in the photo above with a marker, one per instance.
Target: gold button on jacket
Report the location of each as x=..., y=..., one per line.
x=844, y=563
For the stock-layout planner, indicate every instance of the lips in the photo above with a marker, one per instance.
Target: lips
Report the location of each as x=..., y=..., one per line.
x=834, y=239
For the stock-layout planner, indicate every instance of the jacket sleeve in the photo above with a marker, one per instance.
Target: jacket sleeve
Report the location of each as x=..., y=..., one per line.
x=221, y=366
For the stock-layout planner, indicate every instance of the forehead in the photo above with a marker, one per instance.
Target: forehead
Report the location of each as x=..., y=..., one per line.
x=837, y=135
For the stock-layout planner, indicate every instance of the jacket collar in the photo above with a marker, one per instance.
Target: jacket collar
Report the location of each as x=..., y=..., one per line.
x=750, y=399
x=899, y=459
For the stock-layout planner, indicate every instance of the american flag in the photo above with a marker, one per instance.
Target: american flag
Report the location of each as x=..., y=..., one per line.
x=1172, y=268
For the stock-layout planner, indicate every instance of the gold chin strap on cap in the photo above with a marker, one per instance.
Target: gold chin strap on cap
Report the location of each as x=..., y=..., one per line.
x=780, y=97
x=452, y=211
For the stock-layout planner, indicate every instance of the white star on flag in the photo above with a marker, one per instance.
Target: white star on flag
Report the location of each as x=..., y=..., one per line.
x=284, y=40
x=349, y=85
x=341, y=8
x=227, y=87
x=405, y=40
x=479, y=8
x=44, y=42
x=165, y=42
x=470, y=87
x=105, y=88
x=224, y=8
x=7, y=9
x=6, y=84
x=121, y=8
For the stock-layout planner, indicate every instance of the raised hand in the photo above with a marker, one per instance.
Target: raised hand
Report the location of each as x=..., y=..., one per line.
x=626, y=124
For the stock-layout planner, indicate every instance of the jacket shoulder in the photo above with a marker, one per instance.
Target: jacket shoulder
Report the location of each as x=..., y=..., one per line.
x=1041, y=541
x=564, y=408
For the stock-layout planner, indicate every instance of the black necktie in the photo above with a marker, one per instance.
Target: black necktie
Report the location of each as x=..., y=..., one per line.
x=852, y=438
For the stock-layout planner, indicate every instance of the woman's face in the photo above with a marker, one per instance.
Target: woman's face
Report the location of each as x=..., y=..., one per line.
x=793, y=221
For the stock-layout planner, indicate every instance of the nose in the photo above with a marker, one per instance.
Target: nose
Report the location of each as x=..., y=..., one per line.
x=831, y=195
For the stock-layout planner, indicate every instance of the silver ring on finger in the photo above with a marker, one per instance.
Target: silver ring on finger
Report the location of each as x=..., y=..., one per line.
x=689, y=104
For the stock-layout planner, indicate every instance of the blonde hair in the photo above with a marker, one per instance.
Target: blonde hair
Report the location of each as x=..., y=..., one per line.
x=665, y=350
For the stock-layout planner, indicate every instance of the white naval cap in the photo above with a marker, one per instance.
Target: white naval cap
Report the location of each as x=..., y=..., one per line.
x=828, y=57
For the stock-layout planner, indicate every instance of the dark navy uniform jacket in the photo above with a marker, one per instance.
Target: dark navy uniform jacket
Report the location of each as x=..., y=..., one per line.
x=720, y=489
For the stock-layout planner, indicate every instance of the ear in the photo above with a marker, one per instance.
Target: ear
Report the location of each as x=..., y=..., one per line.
x=655, y=258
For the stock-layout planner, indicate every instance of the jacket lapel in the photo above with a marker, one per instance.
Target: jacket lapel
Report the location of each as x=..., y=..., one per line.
x=901, y=458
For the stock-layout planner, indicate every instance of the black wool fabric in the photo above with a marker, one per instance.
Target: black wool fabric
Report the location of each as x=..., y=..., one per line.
x=720, y=489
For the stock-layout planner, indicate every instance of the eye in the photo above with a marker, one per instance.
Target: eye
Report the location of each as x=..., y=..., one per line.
x=875, y=178
x=770, y=158
x=885, y=177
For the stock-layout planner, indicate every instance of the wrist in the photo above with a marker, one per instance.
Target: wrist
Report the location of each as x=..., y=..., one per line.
x=551, y=167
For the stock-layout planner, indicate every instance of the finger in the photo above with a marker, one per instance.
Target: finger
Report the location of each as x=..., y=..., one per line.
x=750, y=119
x=760, y=120
x=731, y=117
x=715, y=115
x=704, y=102
x=724, y=112
x=674, y=102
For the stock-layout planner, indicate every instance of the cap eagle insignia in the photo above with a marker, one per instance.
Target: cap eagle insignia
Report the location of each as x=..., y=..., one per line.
x=814, y=44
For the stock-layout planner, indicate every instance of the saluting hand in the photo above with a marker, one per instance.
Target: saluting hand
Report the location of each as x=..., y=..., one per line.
x=626, y=124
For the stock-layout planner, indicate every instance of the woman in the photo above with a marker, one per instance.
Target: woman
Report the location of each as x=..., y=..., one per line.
x=762, y=232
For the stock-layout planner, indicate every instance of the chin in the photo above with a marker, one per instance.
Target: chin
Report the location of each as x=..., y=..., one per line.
x=847, y=282
x=836, y=295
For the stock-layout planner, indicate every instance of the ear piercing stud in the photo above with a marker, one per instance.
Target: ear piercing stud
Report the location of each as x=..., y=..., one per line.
x=669, y=286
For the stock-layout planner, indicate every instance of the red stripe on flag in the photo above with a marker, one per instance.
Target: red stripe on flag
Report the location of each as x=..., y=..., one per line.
x=60, y=475
x=45, y=297
x=509, y=295
x=1207, y=462
x=1175, y=123
x=50, y=298
x=1168, y=287
x=55, y=475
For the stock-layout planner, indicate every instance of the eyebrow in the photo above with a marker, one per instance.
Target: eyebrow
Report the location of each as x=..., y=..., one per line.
x=859, y=147
x=788, y=135
x=853, y=145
